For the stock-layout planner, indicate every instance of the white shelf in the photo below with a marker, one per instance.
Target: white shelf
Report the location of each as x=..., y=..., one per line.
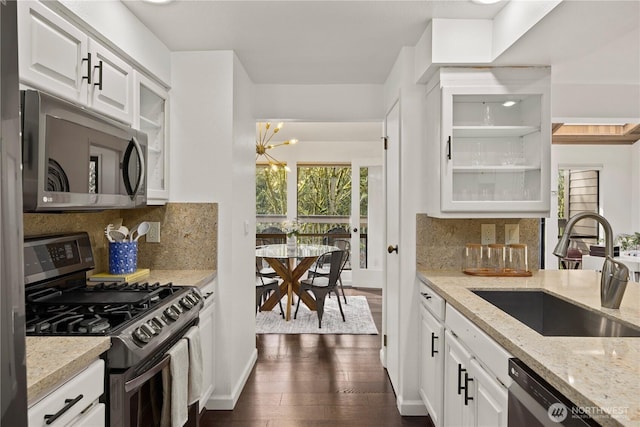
x=492, y=131
x=497, y=169
x=148, y=123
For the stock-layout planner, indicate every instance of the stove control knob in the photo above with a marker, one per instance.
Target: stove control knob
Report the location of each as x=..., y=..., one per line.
x=192, y=299
x=196, y=296
x=188, y=305
x=171, y=313
x=148, y=329
x=154, y=327
x=157, y=322
x=140, y=336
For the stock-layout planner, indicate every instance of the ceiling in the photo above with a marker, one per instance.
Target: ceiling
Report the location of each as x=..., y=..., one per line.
x=303, y=42
x=357, y=42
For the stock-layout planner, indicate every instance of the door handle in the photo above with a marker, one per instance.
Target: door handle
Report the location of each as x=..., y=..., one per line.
x=392, y=249
x=355, y=229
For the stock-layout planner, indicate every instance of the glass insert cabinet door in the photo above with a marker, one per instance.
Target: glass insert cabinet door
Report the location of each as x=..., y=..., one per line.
x=496, y=148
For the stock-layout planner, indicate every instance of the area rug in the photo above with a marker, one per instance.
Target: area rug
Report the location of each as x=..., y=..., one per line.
x=356, y=312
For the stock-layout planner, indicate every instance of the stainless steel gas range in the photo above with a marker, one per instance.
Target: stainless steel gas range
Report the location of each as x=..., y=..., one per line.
x=143, y=320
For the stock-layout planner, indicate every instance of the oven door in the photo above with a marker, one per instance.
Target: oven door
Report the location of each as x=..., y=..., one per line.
x=136, y=394
x=137, y=402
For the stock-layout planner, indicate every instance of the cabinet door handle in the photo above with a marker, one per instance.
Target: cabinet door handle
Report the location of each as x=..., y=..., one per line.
x=467, y=398
x=88, y=76
x=68, y=403
x=425, y=295
x=460, y=371
x=99, y=67
x=449, y=148
x=434, y=337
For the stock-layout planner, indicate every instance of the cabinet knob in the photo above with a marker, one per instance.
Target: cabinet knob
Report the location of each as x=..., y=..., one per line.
x=392, y=249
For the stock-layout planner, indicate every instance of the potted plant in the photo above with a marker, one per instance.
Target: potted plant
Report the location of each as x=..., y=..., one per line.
x=630, y=243
x=292, y=229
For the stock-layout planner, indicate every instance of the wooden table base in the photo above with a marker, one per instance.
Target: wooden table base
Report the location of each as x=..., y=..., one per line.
x=290, y=274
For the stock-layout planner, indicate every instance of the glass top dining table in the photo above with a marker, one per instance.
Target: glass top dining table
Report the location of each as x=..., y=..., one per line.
x=290, y=264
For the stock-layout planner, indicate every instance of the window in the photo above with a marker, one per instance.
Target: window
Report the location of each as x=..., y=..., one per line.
x=578, y=191
x=324, y=198
x=271, y=197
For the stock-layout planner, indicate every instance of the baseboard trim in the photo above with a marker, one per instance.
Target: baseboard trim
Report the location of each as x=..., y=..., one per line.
x=411, y=408
x=226, y=402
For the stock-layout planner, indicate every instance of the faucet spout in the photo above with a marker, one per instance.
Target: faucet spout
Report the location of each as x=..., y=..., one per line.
x=614, y=277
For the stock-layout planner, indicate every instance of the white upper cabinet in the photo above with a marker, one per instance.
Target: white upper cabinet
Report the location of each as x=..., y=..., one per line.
x=489, y=142
x=52, y=52
x=111, y=91
x=151, y=115
x=58, y=57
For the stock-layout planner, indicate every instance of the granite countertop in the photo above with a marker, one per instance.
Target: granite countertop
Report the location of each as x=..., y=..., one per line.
x=591, y=372
x=197, y=278
x=53, y=360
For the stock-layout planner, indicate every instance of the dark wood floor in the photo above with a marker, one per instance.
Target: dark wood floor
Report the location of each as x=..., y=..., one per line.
x=317, y=381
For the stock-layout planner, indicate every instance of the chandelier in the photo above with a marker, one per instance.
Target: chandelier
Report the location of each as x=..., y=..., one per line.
x=263, y=144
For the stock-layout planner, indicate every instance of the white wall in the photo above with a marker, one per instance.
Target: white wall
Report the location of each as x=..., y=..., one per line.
x=212, y=153
x=635, y=188
x=617, y=194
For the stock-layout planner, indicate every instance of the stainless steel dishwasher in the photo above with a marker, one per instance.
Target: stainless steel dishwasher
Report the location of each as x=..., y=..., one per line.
x=533, y=402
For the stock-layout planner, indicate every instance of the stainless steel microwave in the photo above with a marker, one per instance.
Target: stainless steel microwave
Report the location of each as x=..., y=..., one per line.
x=76, y=160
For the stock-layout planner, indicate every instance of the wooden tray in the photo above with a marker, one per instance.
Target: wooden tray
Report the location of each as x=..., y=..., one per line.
x=507, y=272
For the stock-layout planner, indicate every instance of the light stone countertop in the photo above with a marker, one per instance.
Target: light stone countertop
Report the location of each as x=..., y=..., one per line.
x=591, y=372
x=53, y=360
x=197, y=278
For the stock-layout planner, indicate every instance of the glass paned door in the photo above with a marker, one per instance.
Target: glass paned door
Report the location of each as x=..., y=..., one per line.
x=367, y=223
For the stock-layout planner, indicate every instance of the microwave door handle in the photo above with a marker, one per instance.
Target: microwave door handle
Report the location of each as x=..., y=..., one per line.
x=125, y=170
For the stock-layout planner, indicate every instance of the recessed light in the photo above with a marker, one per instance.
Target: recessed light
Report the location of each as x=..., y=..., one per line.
x=508, y=103
x=486, y=1
x=158, y=1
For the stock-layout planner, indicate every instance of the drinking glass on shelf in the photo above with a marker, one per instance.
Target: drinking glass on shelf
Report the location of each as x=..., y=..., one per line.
x=496, y=257
x=472, y=259
x=517, y=258
x=488, y=116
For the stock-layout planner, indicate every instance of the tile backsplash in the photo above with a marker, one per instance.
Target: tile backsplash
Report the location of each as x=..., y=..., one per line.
x=188, y=233
x=439, y=242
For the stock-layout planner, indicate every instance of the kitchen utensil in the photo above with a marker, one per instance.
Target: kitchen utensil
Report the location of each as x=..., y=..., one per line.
x=107, y=232
x=117, y=236
x=140, y=230
x=124, y=230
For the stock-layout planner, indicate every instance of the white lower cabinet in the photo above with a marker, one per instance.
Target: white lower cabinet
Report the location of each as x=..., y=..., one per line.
x=490, y=398
x=463, y=372
x=432, y=364
x=207, y=339
x=457, y=409
x=74, y=403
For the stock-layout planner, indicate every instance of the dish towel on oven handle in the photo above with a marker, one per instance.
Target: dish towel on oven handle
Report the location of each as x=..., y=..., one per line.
x=175, y=387
x=195, y=364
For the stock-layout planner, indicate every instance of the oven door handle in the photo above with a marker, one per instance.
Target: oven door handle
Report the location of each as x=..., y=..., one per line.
x=147, y=375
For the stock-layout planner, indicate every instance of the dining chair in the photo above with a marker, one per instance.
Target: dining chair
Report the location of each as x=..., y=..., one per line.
x=322, y=265
x=321, y=286
x=264, y=286
x=264, y=269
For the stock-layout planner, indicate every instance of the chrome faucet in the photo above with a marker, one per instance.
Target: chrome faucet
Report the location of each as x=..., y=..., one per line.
x=613, y=281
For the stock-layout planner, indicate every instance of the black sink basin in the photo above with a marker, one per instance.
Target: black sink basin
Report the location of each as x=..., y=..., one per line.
x=552, y=316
